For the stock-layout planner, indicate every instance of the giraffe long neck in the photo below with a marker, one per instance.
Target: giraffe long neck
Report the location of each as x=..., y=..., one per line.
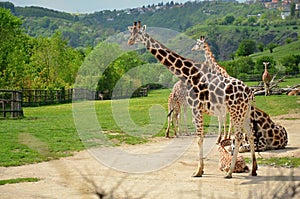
x=176, y=64
x=212, y=61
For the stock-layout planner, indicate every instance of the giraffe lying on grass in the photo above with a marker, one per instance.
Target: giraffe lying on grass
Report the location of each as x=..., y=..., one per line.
x=268, y=135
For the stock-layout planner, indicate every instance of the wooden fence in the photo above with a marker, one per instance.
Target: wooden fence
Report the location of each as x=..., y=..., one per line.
x=10, y=104
x=47, y=97
x=12, y=101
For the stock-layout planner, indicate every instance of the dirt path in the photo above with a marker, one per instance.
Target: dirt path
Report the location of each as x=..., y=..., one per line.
x=81, y=176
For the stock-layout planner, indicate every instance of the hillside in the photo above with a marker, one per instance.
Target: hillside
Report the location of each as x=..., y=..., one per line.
x=280, y=52
x=224, y=24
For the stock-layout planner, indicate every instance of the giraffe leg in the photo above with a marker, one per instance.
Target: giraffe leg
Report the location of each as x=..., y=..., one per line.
x=169, y=123
x=229, y=130
x=220, y=120
x=200, y=137
x=252, y=147
x=177, y=124
x=185, y=119
x=238, y=140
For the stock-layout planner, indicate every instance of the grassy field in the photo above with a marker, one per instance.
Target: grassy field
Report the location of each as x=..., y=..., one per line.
x=280, y=51
x=49, y=132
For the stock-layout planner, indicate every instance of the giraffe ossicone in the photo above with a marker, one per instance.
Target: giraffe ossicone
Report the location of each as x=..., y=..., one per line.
x=208, y=92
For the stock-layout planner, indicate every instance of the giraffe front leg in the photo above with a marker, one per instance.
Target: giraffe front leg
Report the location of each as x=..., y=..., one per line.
x=220, y=120
x=200, y=137
x=238, y=141
x=199, y=172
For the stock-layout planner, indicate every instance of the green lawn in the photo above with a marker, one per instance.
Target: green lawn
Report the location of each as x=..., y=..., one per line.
x=49, y=132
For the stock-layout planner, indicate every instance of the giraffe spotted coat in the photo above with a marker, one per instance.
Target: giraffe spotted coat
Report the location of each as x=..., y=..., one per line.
x=226, y=158
x=176, y=101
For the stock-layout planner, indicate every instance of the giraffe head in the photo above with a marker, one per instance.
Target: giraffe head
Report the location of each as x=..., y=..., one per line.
x=136, y=32
x=200, y=45
x=266, y=64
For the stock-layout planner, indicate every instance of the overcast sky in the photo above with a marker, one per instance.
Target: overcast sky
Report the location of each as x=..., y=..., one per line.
x=88, y=6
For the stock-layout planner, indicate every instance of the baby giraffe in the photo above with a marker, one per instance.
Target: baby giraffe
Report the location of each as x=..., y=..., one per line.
x=226, y=157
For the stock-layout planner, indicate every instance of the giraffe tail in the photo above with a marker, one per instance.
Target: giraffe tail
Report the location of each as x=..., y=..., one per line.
x=170, y=113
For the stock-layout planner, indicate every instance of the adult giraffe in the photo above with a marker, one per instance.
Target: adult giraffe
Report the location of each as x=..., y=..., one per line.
x=208, y=92
x=266, y=77
x=202, y=45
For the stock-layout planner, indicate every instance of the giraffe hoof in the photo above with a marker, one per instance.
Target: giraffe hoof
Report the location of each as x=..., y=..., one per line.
x=228, y=176
x=253, y=173
x=198, y=174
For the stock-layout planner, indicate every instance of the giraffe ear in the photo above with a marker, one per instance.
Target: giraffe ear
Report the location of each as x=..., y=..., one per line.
x=144, y=28
x=130, y=28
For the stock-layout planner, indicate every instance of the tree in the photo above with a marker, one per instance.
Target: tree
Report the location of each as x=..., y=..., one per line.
x=291, y=63
x=229, y=19
x=261, y=46
x=12, y=53
x=293, y=9
x=246, y=47
x=259, y=66
x=271, y=46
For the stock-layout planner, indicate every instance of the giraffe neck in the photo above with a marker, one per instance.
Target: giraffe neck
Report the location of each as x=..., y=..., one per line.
x=212, y=61
x=176, y=64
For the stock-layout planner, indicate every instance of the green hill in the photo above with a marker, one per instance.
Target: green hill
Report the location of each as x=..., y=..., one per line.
x=225, y=24
x=280, y=52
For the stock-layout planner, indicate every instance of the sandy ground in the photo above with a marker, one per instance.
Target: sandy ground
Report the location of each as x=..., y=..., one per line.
x=82, y=176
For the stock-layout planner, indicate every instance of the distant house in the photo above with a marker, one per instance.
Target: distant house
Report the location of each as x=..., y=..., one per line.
x=285, y=14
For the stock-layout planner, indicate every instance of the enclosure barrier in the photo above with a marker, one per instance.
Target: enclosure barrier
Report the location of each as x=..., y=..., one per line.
x=11, y=104
x=12, y=101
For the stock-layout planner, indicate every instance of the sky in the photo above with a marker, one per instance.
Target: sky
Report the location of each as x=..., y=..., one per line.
x=88, y=6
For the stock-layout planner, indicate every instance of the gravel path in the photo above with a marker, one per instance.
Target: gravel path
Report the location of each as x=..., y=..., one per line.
x=83, y=176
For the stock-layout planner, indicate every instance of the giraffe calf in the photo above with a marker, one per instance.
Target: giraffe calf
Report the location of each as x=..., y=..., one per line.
x=173, y=115
x=176, y=101
x=226, y=157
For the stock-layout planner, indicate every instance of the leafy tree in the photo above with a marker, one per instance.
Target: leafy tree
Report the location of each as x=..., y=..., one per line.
x=246, y=47
x=293, y=9
x=229, y=19
x=259, y=66
x=261, y=46
x=55, y=63
x=291, y=63
x=271, y=46
x=118, y=69
x=10, y=48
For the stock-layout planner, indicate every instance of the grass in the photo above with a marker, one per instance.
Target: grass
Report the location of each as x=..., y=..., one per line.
x=18, y=180
x=49, y=132
x=280, y=51
x=278, y=162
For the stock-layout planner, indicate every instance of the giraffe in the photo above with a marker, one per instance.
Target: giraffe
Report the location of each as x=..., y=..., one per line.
x=268, y=135
x=294, y=92
x=266, y=77
x=202, y=45
x=225, y=159
x=176, y=101
x=208, y=92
